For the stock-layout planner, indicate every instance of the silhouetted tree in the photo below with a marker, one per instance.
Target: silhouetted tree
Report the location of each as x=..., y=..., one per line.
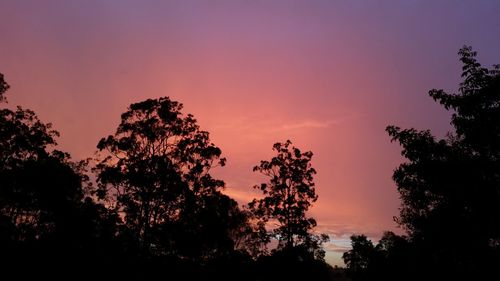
x=156, y=170
x=292, y=263
x=28, y=170
x=45, y=216
x=3, y=87
x=388, y=260
x=252, y=237
x=160, y=212
x=287, y=197
x=358, y=260
x=450, y=188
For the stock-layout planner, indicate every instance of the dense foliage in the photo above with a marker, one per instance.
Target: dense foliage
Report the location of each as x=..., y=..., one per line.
x=147, y=206
x=156, y=211
x=450, y=188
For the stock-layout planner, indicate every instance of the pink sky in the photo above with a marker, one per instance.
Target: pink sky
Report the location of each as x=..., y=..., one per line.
x=327, y=75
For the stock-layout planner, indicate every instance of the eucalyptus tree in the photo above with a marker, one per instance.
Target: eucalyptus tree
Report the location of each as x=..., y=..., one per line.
x=287, y=196
x=155, y=170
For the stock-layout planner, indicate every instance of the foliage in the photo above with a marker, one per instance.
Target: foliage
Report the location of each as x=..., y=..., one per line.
x=450, y=192
x=156, y=210
x=3, y=88
x=388, y=260
x=287, y=197
x=45, y=216
x=292, y=263
x=450, y=188
x=358, y=259
x=29, y=197
x=157, y=173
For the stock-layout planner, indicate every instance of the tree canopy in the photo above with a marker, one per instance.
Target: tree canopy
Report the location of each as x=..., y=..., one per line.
x=46, y=216
x=157, y=209
x=288, y=196
x=450, y=188
x=156, y=171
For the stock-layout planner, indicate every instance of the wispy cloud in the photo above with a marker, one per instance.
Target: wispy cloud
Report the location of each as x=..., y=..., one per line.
x=308, y=124
x=340, y=234
x=341, y=231
x=254, y=125
x=245, y=123
x=241, y=196
x=338, y=246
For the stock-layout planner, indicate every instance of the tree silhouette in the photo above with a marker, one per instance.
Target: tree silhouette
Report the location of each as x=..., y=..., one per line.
x=156, y=170
x=450, y=188
x=45, y=214
x=287, y=197
x=359, y=260
x=252, y=237
x=156, y=210
x=388, y=260
x=3, y=87
x=28, y=194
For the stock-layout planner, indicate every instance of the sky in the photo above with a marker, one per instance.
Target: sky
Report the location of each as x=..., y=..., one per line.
x=328, y=75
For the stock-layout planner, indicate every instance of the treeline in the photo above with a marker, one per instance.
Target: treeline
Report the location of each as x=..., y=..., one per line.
x=146, y=206
x=450, y=192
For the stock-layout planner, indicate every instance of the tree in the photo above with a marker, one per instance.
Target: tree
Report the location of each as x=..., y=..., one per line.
x=251, y=237
x=46, y=217
x=359, y=260
x=388, y=260
x=3, y=87
x=156, y=171
x=287, y=197
x=29, y=195
x=450, y=188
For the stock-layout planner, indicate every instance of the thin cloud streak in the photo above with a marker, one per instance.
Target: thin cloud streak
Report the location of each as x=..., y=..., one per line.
x=251, y=124
x=308, y=125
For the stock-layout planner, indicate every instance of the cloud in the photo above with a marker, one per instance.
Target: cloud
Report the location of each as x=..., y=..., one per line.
x=244, y=123
x=308, y=124
x=241, y=196
x=340, y=236
x=342, y=231
x=256, y=128
x=337, y=246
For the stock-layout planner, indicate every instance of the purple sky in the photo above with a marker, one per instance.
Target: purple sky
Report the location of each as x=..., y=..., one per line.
x=329, y=75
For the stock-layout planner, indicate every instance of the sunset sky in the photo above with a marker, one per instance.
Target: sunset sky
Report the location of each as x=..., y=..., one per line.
x=328, y=75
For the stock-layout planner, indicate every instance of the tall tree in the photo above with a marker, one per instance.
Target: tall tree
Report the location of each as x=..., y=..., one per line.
x=288, y=195
x=450, y=188
x=45, y=216
x=29, y=165
x=156, y=169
